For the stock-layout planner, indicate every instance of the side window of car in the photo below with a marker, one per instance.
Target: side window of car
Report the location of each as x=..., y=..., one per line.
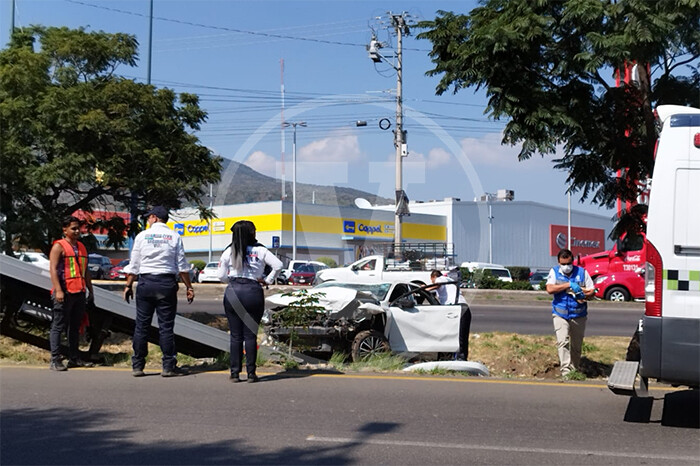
x=398, y=291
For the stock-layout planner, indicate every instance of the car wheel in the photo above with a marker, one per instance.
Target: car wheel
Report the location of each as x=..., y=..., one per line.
x=617, y=293
x=369, y=343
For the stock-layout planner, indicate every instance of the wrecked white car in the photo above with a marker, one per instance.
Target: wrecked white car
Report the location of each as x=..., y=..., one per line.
x=365, y=319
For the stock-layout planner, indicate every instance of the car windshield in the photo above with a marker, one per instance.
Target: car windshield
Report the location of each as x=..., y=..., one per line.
x=305, y=268
x=123, y=263
x=95, y=260
x=378, y=290
x=499, y=272
x=212, y=265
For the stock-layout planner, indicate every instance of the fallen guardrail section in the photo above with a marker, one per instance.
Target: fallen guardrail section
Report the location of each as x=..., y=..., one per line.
x=25, y=301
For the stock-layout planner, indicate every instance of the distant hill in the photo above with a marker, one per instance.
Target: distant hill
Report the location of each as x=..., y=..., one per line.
x=251, y=186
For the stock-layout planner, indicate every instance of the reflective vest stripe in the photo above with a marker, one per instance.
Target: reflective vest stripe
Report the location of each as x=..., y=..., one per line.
x=74, y=267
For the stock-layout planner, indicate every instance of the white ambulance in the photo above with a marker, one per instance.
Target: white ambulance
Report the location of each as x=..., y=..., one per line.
x=670, y=328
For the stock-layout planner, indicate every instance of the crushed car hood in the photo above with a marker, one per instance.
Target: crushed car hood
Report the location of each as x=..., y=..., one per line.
x=338, y=302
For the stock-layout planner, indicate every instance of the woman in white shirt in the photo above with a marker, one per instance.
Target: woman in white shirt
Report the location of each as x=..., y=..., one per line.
x=242, y=266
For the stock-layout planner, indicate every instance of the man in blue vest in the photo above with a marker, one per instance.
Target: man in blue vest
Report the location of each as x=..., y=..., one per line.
x=571, y=286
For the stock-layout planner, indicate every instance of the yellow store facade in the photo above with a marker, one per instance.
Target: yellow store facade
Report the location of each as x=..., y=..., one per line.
x=341, y=233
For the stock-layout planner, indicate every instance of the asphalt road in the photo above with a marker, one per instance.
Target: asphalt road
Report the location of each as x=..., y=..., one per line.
x=526, y=318
x=104, y=416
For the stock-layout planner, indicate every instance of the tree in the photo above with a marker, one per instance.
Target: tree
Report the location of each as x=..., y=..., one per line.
x=76, y=136
x=548, y=65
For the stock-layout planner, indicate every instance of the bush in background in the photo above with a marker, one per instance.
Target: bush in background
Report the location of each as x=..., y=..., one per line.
x=519, y=273
x=199, y=265
x=328, y=261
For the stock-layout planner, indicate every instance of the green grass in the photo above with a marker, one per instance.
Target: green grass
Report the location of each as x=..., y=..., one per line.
x=380, y=362
x=575, y=375
x=337, y=360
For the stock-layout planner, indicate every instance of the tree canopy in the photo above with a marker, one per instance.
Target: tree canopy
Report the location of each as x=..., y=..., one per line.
x=76, y=136
x=549, y=66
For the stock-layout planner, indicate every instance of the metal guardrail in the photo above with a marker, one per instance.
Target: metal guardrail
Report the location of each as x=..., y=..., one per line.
x=25, y=282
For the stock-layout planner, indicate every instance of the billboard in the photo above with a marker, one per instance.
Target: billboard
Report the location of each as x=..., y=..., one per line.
x=584, y=241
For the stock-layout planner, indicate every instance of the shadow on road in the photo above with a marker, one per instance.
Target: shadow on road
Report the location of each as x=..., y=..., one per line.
x=680, y=409
x=67, y=436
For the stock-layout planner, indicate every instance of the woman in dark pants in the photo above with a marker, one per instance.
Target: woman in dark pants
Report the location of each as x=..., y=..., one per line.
x=242, y=266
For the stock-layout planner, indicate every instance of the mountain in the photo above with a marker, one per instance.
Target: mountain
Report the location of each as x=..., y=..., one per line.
x=248, y=185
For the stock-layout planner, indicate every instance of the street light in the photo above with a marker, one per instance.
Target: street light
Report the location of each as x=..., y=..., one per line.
x=294, y=125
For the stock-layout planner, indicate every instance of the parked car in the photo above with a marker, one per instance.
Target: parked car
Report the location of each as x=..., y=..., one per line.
x=362, y=319
x=498, y=271
x=209, y=273
x=294, y=265
x=305, y=274
x=99, y=266
x=35, y=258
x=537, y=277
x=620, y=286
x=117, y=272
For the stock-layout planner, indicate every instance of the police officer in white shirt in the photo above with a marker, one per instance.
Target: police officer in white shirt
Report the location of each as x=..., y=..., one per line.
x=156, y=258
x=242, y=266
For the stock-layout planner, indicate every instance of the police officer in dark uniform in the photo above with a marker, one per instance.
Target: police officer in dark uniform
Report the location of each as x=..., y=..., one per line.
x=157, y=258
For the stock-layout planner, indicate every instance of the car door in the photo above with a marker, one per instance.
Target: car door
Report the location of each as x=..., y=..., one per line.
x=424, y=327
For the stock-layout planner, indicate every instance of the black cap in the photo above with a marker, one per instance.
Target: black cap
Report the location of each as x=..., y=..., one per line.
x=160, y=212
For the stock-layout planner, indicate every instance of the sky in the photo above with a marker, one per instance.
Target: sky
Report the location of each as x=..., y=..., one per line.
x=236, y=55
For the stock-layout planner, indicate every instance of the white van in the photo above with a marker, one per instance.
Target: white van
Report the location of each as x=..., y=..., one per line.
x=669, y=332
x=498, y=271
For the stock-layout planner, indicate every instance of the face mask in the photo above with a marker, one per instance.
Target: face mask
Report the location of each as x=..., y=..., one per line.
x=566, y=269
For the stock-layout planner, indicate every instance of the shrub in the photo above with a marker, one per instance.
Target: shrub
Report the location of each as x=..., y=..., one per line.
x=328, y=261
x=518, y=285
x=199, y=265
x=519, y=273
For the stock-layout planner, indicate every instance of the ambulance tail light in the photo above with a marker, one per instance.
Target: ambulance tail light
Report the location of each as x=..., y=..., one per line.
x=654, y=281
x=696, y=140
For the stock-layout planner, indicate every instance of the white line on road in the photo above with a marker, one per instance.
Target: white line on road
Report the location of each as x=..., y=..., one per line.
x=404, y=443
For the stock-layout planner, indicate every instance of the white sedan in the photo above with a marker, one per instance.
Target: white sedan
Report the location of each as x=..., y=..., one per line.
x=363, y=319
x=209, y=273
x=35, y=258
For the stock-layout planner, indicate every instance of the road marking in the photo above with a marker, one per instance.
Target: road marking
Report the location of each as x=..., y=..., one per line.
x=427, y=378
x=460, y=446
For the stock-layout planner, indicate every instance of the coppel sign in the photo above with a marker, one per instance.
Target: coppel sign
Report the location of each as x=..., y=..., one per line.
x=351, y=226
x=584, y=241
x=190, y=229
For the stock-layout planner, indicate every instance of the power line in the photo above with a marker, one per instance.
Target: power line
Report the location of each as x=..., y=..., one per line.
x=228, y=29
x=218, y=28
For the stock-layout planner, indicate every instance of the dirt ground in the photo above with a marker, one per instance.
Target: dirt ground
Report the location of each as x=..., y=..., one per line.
x=506, y=355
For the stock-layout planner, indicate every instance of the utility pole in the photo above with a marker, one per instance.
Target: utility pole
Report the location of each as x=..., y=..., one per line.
x=283, y=149
x=398, y=21
x=150, y=43
x=294, y=183
x=211, y=208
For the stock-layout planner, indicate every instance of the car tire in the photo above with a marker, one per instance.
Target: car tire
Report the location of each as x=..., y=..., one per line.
x=369, y=343
x=617, y=293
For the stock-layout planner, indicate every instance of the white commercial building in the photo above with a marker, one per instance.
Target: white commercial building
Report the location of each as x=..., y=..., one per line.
x=507, y=232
